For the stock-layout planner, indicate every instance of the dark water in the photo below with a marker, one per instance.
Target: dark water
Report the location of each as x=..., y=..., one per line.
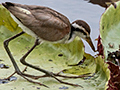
x=73, y=9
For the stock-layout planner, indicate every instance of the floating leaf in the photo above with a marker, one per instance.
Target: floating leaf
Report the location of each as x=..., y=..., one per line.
x=6, y=20
x=110, y=29
x=109, y=32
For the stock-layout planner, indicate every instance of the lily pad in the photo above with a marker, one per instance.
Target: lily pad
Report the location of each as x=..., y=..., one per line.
x=110, y=29
x=109, y=32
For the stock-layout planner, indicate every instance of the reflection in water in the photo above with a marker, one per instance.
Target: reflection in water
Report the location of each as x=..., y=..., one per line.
x=73, y=9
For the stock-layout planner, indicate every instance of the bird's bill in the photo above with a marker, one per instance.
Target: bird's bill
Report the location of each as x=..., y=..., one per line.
x=91, y=44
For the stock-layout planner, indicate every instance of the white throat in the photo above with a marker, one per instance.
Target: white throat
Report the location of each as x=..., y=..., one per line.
x=78, y=33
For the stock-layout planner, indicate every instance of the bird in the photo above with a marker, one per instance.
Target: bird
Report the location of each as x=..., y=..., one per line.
x=104, y=3
x=46, y=25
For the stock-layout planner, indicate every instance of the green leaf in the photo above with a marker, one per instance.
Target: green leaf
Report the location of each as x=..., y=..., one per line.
x=6, y=20
x=109, y=32
x=110, y=29
x=88, y=66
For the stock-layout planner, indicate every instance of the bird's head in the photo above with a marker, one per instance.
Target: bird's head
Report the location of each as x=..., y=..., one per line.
x=81, y=29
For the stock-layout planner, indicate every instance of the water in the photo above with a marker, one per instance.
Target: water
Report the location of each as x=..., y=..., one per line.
x=73, y=9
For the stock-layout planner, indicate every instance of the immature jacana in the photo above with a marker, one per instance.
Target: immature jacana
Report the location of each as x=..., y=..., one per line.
x=44, y=24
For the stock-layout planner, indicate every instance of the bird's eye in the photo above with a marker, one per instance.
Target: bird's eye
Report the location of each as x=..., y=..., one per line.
x=81, y=31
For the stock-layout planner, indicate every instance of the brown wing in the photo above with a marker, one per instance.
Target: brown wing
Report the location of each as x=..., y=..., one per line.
x=43, y=21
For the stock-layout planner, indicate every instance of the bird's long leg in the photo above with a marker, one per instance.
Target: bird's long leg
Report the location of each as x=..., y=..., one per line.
x=17, y=70
x=14, y=74
x=27, y=64
x=49, y=74
x=6, y=42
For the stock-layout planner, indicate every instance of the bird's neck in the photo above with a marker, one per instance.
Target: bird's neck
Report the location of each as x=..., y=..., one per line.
x=77, y=31
x=71, y=35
